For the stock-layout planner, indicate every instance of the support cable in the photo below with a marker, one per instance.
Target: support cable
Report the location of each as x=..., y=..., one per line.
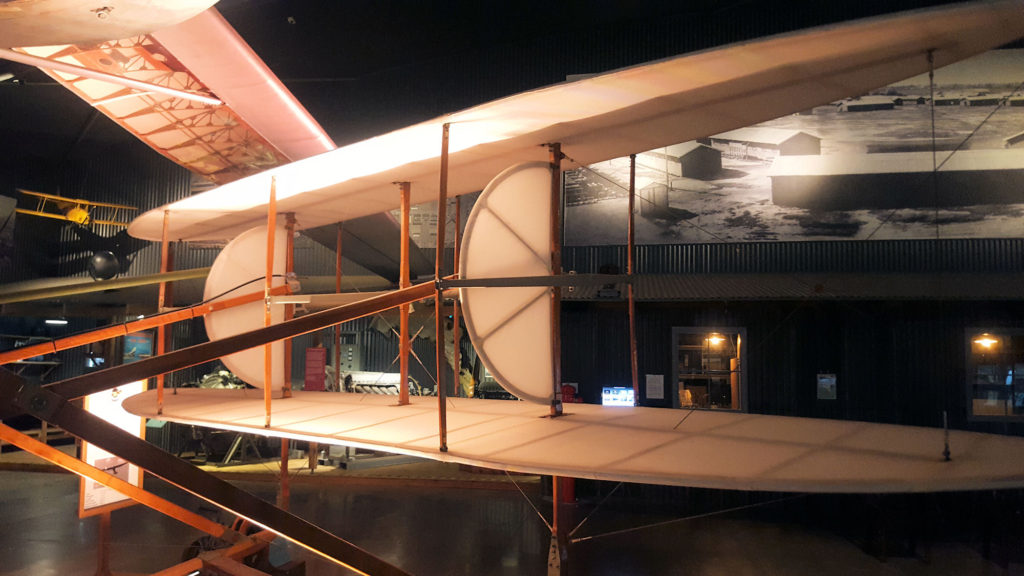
x=685, y=518
x=594, y=511
x=528, y=500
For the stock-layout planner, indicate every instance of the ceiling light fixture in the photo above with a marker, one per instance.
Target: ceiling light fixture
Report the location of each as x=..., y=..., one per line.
x=986, y=340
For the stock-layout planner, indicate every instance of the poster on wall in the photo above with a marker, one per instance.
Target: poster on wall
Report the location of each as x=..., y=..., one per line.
x=655, y=386
x=861, y=168
x=94, y=497
x=137, y=345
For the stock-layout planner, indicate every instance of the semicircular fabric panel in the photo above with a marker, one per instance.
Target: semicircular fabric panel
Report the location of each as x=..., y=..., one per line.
x=239, y=269
x=508, y=234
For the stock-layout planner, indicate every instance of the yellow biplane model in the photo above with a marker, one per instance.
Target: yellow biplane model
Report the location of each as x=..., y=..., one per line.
x=83, y=212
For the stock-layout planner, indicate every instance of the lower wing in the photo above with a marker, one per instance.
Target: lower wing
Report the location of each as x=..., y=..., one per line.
x=709, y=449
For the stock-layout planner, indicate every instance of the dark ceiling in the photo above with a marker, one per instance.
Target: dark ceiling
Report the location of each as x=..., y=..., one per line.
x=363, y=67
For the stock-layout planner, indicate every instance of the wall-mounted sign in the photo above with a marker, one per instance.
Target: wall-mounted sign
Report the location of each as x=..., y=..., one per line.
x=655, y=386
x=316, y=363
x=94, y=497
x=137, y=346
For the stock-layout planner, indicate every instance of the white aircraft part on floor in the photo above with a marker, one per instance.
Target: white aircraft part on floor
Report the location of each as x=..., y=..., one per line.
x=701, y=448
x=244, y=259
x=508, y=233
x=602, y=117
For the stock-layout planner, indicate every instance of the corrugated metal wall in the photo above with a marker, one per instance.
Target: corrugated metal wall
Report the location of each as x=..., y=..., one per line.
x=134, y=176
x=895, y=362
x=944, y=255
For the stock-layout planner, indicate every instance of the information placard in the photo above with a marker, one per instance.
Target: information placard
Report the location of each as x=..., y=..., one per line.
x=94, y=497
x=655, y=386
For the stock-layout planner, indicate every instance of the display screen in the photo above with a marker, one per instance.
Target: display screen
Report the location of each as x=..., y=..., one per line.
x=616, y=396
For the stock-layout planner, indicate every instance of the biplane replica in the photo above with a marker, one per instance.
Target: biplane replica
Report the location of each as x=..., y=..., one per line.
x=509, y=275
x=83, y=212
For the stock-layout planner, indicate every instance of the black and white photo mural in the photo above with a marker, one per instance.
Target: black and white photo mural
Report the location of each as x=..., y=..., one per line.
x=914, y=160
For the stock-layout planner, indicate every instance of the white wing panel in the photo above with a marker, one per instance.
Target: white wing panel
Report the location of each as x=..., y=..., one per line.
x=710, y=449
x=508, y=234
x=604, y=117
x=241, y=268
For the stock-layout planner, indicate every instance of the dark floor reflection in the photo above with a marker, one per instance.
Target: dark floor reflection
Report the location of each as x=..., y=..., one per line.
x=472, y=532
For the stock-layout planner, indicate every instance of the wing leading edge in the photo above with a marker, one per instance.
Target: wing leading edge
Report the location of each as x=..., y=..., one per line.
x=602, y=117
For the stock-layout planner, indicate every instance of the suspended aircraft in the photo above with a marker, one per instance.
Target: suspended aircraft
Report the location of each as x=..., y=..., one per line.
x=509, y=276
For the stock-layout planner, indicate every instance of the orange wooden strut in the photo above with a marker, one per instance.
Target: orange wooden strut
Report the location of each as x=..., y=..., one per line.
x=108, y=332
x=161, y=303
x=442, y=215
x=403, y=282
x=75, y=465
x=631, y=242
x=337, y=327
x=268, y=368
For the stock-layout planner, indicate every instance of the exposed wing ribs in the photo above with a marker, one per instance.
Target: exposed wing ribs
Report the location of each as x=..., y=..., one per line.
x=213, y=141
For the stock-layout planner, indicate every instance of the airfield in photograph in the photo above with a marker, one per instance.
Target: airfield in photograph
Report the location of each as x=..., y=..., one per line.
x=856, y=169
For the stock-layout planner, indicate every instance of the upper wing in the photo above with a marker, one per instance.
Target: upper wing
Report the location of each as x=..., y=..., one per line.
x=44, y=22
x=602, y=117
x=259, y=126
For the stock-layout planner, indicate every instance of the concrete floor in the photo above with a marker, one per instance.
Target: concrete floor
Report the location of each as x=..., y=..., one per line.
x=456, y=531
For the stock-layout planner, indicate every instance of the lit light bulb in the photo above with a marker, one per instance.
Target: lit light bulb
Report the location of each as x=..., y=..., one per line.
x=986, y=340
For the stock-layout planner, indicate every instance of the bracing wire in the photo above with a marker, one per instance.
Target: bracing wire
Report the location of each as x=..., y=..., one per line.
x=529, y=501
x=684, y=519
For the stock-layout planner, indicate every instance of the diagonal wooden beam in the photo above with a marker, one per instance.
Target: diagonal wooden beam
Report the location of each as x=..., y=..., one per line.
x=51, y=454
x=86, y=384
x=46, y=405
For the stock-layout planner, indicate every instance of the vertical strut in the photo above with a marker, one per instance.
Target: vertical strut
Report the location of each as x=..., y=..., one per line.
x=403, y=282
x=456, y=333
x=103, y=546
x=268, y=368
x=284, y=496
x=289, y=309
x=161, y=302
x=556, y=269
x=631, y=248
x=337, y=327
x=442, y=216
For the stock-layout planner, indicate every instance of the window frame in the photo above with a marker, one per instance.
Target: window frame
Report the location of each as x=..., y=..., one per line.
x=971, y=374
x=678, y=331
